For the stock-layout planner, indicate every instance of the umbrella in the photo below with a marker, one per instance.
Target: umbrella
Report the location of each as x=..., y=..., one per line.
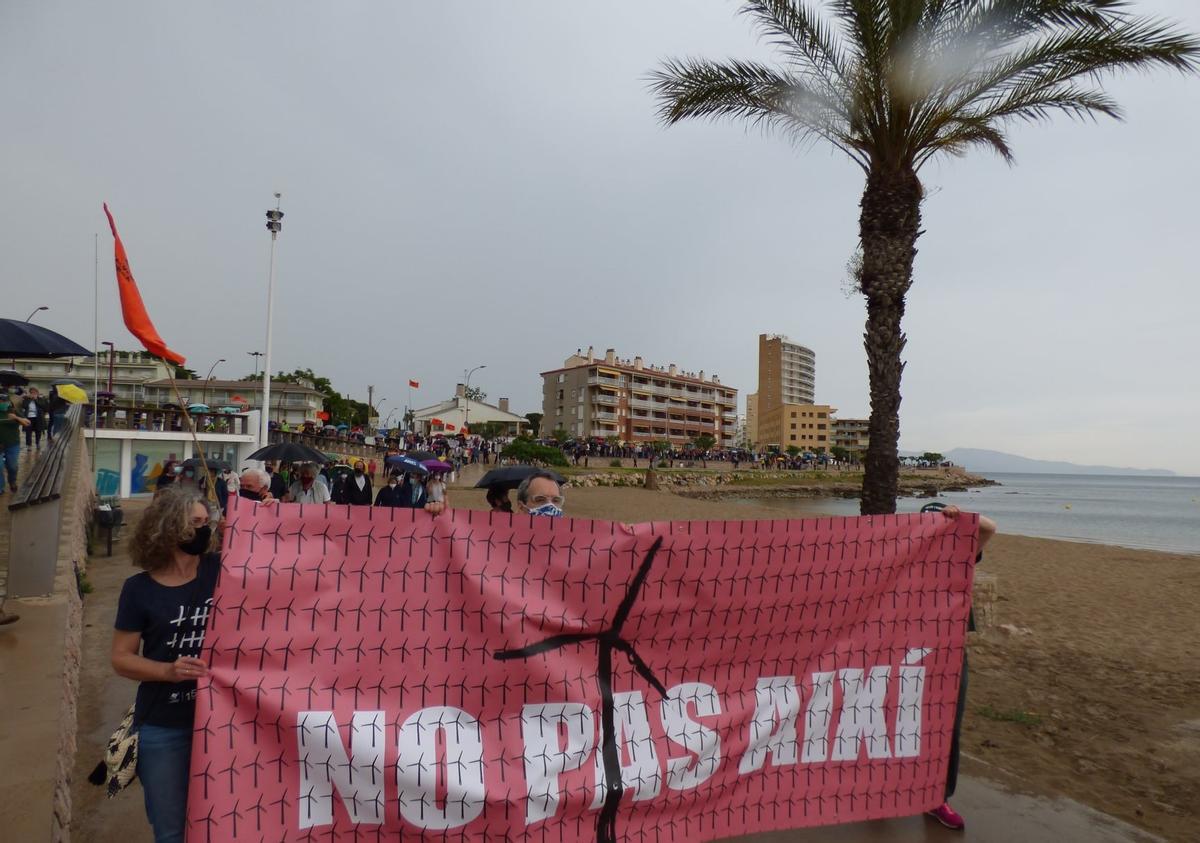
x=230, y=410
x=70, y=381
x=192, y=408
x=289, y=452
x=24, y=339
x=343, y=426
x=72, y=394
x=510, y=477
x=437, y=466
x=11, y=377
x=213, y=465
x=421, y=456
x=406, y=464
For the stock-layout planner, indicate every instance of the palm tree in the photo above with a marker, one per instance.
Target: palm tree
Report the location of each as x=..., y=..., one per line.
x=893, y=83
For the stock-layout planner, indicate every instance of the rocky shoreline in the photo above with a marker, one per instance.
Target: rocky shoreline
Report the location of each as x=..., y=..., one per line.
x=781, y=484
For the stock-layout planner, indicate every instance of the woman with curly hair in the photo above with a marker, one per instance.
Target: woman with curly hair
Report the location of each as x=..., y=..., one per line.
x=159, y=633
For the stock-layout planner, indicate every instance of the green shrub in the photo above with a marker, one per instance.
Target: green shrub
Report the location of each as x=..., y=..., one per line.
x=528, y=451
x=614, y=464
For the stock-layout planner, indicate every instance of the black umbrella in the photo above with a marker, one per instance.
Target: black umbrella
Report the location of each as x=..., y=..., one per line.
x=11, y=377
x=71, y=381
x=421, y=456
x=510, y=477
x=24, y=339
x=289, y=452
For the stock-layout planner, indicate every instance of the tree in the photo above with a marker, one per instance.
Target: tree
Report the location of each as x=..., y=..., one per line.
x=535, y=422
x=704, y=442
x=932, y=457
x=474, y=393
x=895, y=83
x=183, y=373
x=560, y=435
x=793, y=451
x=839, y=453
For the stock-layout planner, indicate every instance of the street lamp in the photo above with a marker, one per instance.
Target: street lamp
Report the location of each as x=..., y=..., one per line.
x=111, y=354
x=255, y=355
x=467, y=395
x=274, y=225
x=36, y=312
x=208, y=378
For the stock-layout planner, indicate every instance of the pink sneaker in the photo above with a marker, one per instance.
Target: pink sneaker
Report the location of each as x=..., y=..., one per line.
x=948, y=817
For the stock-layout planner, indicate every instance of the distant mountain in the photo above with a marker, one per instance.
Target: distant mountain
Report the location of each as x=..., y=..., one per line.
x=982, y=462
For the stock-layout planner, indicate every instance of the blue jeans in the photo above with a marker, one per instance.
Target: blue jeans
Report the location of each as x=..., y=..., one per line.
x=9, y=454
x=164, y=766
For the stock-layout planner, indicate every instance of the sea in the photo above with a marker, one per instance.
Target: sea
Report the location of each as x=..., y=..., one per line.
x=1145, y=512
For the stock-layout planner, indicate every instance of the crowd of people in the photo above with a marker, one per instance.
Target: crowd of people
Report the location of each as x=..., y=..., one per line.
x=175, y=544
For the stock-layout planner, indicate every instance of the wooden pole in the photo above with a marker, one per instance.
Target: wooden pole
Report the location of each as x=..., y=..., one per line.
x=208, y=478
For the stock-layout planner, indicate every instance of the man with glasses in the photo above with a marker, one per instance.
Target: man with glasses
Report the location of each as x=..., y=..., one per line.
x=540, y=494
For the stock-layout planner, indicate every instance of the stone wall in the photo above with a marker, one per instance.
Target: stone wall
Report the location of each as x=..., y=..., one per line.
x=79, y=498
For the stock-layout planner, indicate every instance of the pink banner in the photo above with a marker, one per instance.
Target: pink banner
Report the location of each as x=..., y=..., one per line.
x=379, y=672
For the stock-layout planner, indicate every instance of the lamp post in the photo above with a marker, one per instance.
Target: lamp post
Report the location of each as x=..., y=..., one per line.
x=255, y=355
x=467, y=395
x=36, y=312
x=274, y=225
x=377, y=407
x=208, y=379
x=112, y=353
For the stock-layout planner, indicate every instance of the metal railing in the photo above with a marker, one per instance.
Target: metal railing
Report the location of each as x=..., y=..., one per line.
x=133, y=417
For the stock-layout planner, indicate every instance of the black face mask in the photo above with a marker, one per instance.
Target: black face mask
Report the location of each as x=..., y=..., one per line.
x=199, y=542
x=358, y=471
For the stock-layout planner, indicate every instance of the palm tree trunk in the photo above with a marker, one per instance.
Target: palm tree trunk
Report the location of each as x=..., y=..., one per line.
x=889, y=226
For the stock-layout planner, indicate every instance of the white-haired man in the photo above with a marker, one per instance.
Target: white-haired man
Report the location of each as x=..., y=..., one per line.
x=255, y=484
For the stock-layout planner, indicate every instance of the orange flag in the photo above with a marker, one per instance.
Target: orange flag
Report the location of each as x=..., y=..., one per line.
x=136, y=319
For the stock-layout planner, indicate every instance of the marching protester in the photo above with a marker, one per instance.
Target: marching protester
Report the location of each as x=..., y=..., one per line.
x=540, y=494
x=10, y=440
x=306, y=489
x=435, y=488
x=157, y=638
x=499, y=500
x=356, y=489
x=387, y=492
x=255, y=485
x=36, y=410
x=279, y=483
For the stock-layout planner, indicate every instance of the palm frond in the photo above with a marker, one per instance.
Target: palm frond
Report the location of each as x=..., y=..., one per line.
x=798, y=30
x=755, y=93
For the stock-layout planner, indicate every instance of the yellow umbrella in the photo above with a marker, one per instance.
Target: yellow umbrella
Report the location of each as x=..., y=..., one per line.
x=70, y=392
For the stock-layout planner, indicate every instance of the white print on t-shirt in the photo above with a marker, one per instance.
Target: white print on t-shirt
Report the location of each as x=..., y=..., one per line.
x=191, y=643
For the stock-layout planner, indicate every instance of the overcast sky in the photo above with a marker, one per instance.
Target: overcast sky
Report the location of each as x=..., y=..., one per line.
x=471, y=183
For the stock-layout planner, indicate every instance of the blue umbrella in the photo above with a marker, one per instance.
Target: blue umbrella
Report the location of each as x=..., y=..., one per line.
x=406, y=464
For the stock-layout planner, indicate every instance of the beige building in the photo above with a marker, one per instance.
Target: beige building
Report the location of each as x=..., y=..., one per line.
x=636, y=402
x=294, y=403
x=787, y=373
x=130, y=372
x=752, y=418
x=808, y=427
x=852, y=434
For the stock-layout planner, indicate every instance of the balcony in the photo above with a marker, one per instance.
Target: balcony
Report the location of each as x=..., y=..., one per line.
x=611, y=383
x=601, y=398
x=602, y=415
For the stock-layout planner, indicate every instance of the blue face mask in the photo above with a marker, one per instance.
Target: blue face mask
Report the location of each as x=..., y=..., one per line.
x=547, y=509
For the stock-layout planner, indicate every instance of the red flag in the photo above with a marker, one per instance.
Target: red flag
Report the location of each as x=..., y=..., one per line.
x=136, y=319
x=435, y=421
x=449, y=427
x=414, y=384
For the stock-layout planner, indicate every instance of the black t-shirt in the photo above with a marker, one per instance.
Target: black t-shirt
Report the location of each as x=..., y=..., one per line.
x=171, y=620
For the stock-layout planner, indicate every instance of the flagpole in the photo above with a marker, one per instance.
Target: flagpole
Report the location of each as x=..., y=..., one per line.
x=274, y=225
x=95, y=345
x=187, y=415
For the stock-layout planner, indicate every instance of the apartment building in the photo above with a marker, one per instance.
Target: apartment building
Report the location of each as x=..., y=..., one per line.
x=852, y=434
x=127, y=371
x=635, y=401
x=293, y=403
x=787, y=373
x=808, y=427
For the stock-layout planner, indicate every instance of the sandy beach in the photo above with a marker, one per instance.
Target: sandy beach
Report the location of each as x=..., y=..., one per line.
x=1095, y=695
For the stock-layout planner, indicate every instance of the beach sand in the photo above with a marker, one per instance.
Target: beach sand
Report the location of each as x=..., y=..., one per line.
x=1095, y=695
